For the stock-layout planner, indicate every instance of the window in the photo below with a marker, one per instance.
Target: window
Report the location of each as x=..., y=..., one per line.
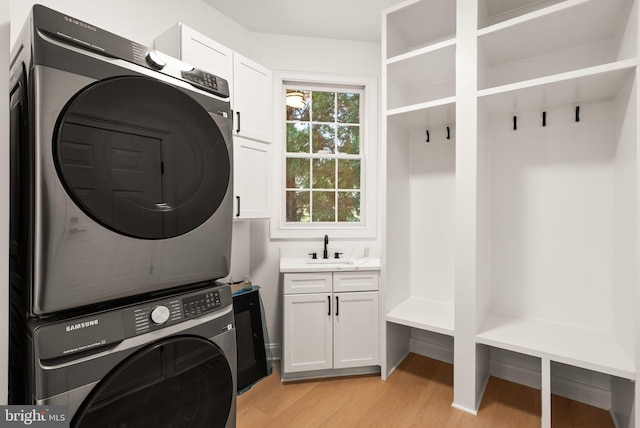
x=323, y=155
x=327, y=139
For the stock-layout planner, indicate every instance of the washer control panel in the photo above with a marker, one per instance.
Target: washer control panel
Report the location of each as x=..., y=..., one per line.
x=196, y=305
x=149, y=317
x=161, y=313
x=202, y=79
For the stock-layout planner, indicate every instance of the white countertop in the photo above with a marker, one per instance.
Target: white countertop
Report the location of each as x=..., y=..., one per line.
x=289, y=265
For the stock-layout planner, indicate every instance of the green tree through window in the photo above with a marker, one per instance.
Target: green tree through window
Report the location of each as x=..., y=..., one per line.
x=323, y=156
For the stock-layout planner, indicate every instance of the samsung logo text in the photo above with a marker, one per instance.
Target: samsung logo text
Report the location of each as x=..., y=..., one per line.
x=81, y=325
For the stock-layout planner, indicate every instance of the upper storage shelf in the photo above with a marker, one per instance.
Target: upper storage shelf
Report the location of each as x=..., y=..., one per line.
x=421, y=78
x=554, y=39
x=416, y=24
x=491, y=12
x=420, y=59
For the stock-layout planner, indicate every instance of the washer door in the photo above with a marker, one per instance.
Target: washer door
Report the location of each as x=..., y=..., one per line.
x=141, y=157
x=179, y=382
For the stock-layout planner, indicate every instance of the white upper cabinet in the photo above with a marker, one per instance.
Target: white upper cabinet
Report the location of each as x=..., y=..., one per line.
x=252, y=99
x=198, y=50
x=251, y=178
x=251, y=86
x=250, y=83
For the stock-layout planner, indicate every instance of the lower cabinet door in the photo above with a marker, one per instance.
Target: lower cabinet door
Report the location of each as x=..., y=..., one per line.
x=307, y=332
x=355, y=329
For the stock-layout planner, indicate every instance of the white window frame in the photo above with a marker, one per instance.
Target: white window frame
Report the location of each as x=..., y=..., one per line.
x=366, y=228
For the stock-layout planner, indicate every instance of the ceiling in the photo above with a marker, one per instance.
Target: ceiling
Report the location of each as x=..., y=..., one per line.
x=334, y=19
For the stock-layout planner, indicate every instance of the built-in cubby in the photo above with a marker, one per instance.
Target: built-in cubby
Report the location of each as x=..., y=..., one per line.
x=519, y=234
x=559, y=197
x=427, y=249
x=420, y=111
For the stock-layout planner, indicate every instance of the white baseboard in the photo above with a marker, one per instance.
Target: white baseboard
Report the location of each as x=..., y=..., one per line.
x=437, y=351
x=275, y=350
x=519, y=369
x=514, y=368
x=464, y=409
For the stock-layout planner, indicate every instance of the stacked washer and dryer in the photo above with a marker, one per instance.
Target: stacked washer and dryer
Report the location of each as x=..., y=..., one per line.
x=121, y=218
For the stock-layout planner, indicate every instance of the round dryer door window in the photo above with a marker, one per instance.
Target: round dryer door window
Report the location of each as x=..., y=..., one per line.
x=180, y=382
x=142, y=157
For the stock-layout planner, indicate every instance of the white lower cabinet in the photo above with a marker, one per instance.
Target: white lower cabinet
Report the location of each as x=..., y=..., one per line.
x=355, y=329
x=327, y=330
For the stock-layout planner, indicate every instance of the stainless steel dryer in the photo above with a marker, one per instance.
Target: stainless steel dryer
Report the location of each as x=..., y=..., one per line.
x=121, y=165
x=168, y=362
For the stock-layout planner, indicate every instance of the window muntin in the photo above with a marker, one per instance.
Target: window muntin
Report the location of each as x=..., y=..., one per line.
x=324, y=156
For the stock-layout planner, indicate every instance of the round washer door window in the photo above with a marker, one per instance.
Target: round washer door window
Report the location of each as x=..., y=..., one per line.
x=142, y=157
x=179, y=382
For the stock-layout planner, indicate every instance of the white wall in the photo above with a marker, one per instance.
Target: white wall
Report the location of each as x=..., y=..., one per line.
x=140, y=20
x=4, y=196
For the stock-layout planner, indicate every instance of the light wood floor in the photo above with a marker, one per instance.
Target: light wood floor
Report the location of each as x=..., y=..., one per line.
x=418, y=394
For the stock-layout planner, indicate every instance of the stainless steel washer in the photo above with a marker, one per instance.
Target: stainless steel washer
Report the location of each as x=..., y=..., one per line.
x=168, y=362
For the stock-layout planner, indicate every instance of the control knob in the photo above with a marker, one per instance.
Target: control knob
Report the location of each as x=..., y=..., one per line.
x=160, y=315
x=155, y=60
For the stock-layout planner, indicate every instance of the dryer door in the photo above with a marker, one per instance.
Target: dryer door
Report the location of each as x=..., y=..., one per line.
x=141, y=157
x=179, y=382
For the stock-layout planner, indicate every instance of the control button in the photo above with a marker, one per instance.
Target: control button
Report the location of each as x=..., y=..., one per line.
x=160, y=315
x=155, y=60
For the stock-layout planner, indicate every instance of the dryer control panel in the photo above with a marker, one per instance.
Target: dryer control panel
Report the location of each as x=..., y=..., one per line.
x=94, y=39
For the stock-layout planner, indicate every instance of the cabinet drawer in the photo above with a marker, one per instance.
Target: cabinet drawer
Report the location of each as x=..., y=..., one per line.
x=298, y=283
x=355, y=281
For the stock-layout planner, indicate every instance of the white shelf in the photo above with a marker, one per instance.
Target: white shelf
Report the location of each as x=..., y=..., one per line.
x=424, y=115
x=596, y=83
x=492, y=12
x=418, y=23
x=424, y=314
x=421, y=76
x=548, y=31
x=545, y=43
x=590, y=349
x=441, y=46
x=506, y=15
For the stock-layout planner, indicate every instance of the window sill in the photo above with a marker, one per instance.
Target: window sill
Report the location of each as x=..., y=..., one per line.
x=311, y=231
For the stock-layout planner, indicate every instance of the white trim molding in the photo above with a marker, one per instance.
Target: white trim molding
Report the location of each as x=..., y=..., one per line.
x=367, y=229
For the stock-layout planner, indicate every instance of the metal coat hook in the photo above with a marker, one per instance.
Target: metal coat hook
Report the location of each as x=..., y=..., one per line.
x=448, y=133
x=515, y=123
x=577, y=113
x=427, y=135
x=544, y=118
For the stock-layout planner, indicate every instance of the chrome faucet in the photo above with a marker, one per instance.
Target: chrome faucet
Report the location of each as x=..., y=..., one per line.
x=325, y=254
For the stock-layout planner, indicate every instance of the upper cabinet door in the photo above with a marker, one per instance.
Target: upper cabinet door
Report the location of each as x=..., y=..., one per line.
x=207, y=54
x=251, y=178
x=198, y=50
x=252, y=99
